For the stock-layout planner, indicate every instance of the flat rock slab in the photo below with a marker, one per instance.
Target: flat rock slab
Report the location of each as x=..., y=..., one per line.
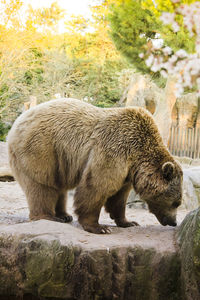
x=162, y=239
x=53, y=265
x=55, y=260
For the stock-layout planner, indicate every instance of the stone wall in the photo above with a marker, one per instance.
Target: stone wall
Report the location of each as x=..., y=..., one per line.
x=163, y=104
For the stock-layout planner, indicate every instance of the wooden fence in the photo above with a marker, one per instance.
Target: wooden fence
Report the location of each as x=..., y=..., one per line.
x=185, y=141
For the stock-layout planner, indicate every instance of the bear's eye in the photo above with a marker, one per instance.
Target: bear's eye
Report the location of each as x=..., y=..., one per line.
x=176, y=204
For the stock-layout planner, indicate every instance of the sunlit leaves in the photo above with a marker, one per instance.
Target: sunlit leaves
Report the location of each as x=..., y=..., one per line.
x=184, y=65
x=45, y=18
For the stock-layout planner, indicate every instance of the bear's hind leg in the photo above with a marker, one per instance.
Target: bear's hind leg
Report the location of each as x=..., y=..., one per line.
x=41, y=199
x=116, y=206
x=60, y=209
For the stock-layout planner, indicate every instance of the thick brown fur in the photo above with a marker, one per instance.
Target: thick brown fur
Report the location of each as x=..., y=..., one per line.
x=66, y=143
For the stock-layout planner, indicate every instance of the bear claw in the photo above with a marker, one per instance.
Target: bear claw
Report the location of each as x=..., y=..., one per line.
x=64, y=219
x=105, y=229
x=97, y=229
x=68, y=219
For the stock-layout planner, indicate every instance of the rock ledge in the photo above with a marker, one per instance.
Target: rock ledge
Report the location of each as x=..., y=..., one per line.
x=52, y=260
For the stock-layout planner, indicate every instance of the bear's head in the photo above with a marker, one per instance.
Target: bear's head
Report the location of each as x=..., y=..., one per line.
x=161, y=188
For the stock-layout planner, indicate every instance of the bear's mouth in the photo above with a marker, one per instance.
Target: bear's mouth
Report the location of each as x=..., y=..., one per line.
x=163, y=218
x=168, y=221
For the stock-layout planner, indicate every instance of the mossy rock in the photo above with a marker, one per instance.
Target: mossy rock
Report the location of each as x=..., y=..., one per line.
x=55, y=265
x=188, y=237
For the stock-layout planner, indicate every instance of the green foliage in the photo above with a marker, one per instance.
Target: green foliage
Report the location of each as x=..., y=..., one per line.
x=37, y=61
x=4, y=128
x=101, y=82
x=79, y=78
x=179, y=40
x=49, y=72
x=34, y=73
x=131, y=27
x=135, y=22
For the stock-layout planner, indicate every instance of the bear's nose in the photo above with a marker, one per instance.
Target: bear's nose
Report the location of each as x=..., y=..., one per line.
x=168, y=221
x=173, y=223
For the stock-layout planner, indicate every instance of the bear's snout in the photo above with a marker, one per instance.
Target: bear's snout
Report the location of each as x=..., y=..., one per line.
x=168, y=221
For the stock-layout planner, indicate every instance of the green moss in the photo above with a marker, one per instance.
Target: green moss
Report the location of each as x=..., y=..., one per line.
x=196, y=247
x=10, y=275
x=139, y=274
x=151, y=276
x=48, y=268
x=189, y=241
x=169, y=285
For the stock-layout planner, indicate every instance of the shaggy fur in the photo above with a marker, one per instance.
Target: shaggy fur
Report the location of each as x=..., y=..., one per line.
x=66, y=143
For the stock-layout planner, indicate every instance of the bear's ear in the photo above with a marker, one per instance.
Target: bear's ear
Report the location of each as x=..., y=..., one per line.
x=168, y=170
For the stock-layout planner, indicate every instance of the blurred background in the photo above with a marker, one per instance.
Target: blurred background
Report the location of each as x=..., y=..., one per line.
x=106, y=52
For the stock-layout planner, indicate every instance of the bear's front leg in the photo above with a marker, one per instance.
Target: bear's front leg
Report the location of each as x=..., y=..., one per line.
x=60, y=208
x=103, y=176
x=90, y=224
x=116, y=206
x=88, y=207
x=88, y=204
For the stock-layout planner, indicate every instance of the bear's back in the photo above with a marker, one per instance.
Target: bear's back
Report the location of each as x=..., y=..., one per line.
x=53, y=119
x=53, y=135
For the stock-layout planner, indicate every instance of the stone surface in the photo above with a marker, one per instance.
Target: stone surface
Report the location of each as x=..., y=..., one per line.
x=6, y=174
x=145, y=93
x=188, y=162
x=162, y=103
x=3, y=155
x=54, y=261
x=187, y=111
x=189, y=240
x=191, y=188
x=134, y=201
x=5, y=171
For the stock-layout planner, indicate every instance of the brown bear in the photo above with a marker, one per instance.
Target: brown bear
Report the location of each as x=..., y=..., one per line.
x=66, y=143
